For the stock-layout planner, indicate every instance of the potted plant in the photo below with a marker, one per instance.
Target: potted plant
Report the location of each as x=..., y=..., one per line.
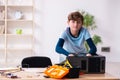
x=89, y=23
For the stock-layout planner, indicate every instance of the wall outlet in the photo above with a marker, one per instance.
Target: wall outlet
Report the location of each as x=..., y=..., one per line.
x=105, y=49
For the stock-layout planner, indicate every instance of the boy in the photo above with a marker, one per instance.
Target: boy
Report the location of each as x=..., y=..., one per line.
x=71, y=42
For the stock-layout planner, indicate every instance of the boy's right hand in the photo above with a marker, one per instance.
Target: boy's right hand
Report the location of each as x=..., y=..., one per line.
x=71, y=55
x=88, y=54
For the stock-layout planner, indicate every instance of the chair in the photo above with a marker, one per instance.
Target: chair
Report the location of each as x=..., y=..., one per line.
x=36, y=62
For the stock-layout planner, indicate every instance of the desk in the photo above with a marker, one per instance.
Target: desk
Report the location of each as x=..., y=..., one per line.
x=39, y=75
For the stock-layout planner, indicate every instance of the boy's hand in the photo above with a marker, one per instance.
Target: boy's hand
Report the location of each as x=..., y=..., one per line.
x=70, y=55
x=88, y=54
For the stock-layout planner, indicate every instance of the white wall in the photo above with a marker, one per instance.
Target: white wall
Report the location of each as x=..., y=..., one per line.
x=51, y=18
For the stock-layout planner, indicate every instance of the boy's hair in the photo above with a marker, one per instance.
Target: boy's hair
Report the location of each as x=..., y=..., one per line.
x=75, y=16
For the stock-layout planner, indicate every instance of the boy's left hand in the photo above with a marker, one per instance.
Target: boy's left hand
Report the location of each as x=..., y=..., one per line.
x=88, y=54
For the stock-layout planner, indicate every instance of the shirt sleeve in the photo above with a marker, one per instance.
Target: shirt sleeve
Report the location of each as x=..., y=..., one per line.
x=59, y=47
x=86, y=34
x=63, y=35
x=92, y=46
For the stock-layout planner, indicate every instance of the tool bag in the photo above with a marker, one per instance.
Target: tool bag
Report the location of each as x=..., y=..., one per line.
x=63, y=70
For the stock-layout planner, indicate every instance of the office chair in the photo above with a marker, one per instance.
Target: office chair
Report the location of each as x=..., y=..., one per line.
x=36, y=62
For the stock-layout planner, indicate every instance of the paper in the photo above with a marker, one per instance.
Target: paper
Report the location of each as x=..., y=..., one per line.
x=8, y=69
x=34, y=69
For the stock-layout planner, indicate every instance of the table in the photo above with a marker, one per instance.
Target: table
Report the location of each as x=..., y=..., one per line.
x=37, y=74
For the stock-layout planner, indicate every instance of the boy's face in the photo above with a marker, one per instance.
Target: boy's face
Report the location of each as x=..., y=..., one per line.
x=75, y=25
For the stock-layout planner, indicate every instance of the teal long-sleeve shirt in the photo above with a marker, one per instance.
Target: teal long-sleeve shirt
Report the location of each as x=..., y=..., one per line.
x=73, y=44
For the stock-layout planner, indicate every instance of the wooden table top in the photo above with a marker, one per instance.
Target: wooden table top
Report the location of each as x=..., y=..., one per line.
x=37, y=74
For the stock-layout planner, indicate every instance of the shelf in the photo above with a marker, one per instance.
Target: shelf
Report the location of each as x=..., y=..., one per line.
x=2, y=49
x=2, y=5
x=20, y=6
x=19, y=35
x=20, y=2
x=2, y=13
x=19, y=49
x=2, y=19
x=16, y=28
x=2, y=34
x=21, y=20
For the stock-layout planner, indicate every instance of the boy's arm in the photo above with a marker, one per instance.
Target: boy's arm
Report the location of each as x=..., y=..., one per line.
x=59, y=47
x=92, y=46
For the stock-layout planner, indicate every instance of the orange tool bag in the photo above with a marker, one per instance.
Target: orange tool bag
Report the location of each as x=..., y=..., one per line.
x=56, y=71
x=62, y=71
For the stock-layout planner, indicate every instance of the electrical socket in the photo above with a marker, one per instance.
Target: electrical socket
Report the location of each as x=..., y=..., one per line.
x=105, y=49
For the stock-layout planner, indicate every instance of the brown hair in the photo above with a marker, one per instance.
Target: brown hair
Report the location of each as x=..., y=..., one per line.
x=77, y=16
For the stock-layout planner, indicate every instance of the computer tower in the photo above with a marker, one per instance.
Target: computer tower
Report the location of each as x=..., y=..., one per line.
x=88, y=64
